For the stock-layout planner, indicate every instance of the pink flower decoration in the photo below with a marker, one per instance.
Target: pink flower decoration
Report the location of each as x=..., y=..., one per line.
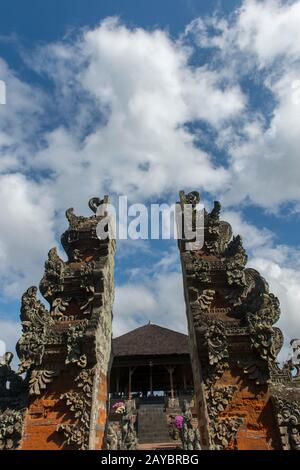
x=179, y=422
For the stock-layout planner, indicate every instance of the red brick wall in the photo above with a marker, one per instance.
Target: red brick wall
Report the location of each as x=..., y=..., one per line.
x=102, y=413
x=45, y=413
x=251, y=402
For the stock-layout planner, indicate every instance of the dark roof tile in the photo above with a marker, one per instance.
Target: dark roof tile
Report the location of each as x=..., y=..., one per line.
x=150, y=340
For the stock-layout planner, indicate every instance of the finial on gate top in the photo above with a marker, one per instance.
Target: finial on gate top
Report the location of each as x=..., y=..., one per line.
x=189, y=198
x=215, y=213
x=95, y=202
x=77, y=222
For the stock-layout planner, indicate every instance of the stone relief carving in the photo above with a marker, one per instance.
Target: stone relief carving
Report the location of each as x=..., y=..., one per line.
x=256, y=370
x=12, y=404
x=36, y=321
x=205, y=299
x=288, y=418
x=39, y=380
x=224, y=431
x=59, y=307
x=11, y=383
x=96, y=202
x=112, y=438
x=79, y=403
x=128, y=433
x=75, y=333
x=218, y=398
x=74, y=220
x=216, y=340
x=51, y=282
x=190, y=436
x=11, y=426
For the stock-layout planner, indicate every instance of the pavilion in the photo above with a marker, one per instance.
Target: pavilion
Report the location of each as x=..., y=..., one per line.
x=149, y=363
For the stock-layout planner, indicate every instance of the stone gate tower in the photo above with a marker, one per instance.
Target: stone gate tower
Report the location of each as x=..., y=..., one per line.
x=244, y=399
x=65, y=351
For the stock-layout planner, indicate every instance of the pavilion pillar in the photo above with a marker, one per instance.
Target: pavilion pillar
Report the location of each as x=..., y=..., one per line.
x=151, y=378
x=131, y=371
x=171, y=370
x=118, y=380
x=184, y=379
x=129, y=384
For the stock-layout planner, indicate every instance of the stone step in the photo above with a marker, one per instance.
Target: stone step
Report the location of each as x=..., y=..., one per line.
x=152, y=425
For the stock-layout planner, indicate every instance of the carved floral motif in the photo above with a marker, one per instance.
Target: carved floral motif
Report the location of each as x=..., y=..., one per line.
x=190, y=436
x=39, y=380
x=11, y=425
x=288, y=418
x=36, y=321
x=79, y=403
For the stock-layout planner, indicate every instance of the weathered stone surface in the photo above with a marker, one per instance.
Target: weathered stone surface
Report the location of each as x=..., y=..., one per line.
x=12, y=404
x=190, y=436
x=231, y=316
x=65, y=351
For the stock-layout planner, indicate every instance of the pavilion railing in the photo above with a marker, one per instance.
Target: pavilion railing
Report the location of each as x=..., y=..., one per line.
x=166, y=400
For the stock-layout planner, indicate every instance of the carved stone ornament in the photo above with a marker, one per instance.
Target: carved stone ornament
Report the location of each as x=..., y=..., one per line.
x=11, y=425
x=36, y=322
x=129, y=439
x=223, y=432
x=11, y=383
x=12, y=404
x=256, y=370
x=215, y=336
x=79, y=403
x=288, y=418
x=53, y=278
x=112, y=441
x=75, y=334
x=39, y=380
x=190, y=436
x=217, y=399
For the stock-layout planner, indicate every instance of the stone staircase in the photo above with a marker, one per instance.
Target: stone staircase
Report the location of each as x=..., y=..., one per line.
x=152, y=425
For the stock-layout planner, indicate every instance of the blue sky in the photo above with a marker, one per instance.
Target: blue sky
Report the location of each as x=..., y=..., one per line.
x=144, y=99
x=48, y=21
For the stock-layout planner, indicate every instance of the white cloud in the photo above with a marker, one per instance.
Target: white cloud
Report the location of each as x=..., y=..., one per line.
x=143, y=90
x=266, y=30
x=253, y=237
x=115, y=122
x=158, y=299
x=269, y=29
x=19, y=120
x=26, y=232
x=260, y=43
